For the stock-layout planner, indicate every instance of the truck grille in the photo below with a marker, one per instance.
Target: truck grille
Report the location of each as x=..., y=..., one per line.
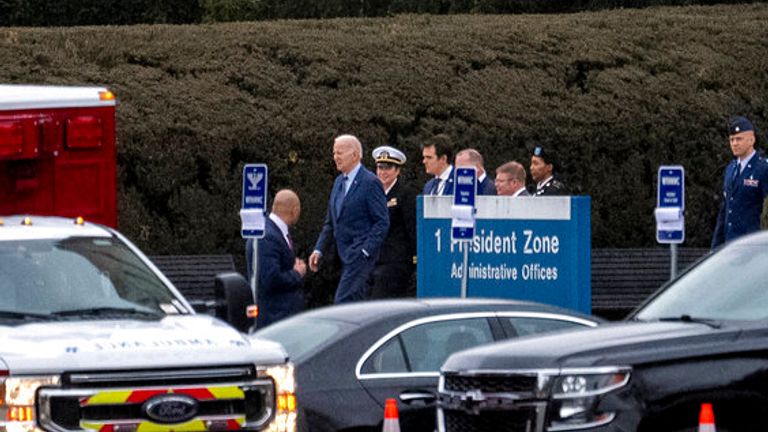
x=503, y=402
x=490, y=383
x=226, y=398
x=497, y=421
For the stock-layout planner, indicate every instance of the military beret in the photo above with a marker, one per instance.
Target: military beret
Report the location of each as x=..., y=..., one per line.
x=547, y=155
x=739, y=125
x=387, y=154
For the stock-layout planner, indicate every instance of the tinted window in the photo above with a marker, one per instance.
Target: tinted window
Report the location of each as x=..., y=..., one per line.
x=387, y=359
x=526, y=325
x=428, y=345
x=300, y=335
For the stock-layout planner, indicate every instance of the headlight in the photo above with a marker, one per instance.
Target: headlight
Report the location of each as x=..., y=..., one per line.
x=576, y=394
x=285, y=398
x=17, y=408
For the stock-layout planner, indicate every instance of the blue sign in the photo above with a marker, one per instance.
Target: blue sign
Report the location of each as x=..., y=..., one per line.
x=530, y=248
x=254, y=204
x=671, y=199
x=464, y=193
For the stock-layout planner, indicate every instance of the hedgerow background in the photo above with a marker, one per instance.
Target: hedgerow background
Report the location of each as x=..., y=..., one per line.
x=616, y=93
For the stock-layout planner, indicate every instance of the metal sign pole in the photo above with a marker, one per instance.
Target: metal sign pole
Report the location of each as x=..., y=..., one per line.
x=672, y=261
x=465, y=271
x=255, y=272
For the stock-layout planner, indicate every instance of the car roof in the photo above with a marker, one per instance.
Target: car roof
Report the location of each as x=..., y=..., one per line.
x=759, y=238
x=373, y=310
x=47, y=227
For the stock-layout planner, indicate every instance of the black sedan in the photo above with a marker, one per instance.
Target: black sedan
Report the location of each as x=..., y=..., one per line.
x=350, y=358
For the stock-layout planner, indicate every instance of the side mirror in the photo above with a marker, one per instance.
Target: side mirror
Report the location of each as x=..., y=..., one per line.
x=233, y=296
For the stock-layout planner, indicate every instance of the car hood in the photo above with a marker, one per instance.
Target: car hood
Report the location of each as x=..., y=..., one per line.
x=174, y=341
x=628, y=343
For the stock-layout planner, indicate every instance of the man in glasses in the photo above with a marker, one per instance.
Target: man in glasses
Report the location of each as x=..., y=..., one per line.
x=510, y=180
x=392, y=275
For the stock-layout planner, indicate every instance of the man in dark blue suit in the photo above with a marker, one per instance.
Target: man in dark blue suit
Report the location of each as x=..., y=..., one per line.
x=357, y=218
x=472, y=158
x=745, y=185
x=280, y=289
x=437, y=154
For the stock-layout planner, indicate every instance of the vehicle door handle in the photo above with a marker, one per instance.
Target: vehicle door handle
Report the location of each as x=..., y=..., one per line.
x=423, y=396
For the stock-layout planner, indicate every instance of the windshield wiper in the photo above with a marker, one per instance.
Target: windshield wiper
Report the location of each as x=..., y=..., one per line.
x=107, y=310
x=715, y=324
x=23, y=315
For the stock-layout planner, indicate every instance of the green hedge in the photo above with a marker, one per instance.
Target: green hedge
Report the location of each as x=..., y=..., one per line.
x=617, y=94
x=47, y=13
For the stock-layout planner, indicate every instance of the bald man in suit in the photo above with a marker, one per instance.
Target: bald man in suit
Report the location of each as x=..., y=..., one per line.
x=281, y=275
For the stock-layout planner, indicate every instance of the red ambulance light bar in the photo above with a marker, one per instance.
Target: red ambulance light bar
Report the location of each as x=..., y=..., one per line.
x=84, y=132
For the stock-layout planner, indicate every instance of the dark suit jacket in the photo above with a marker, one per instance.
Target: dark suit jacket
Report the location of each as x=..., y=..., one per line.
x=362, y=222
x=281, y=289
x=486, y=187
x=743, y=196
x=400, y=243
x=447, y=190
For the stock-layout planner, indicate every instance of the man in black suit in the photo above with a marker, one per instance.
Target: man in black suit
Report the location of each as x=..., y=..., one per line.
x=510, y=180
x=391, y=277
x=472, y=158
x=437, y=154
x=280, y=290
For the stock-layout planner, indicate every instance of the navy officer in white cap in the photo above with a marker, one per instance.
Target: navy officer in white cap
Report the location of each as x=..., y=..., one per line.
x=392, y=275
x=745, y=185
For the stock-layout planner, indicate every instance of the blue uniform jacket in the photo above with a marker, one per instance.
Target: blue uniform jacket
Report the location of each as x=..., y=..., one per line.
x=280, y=291
x=362, y=221
x=743, y=197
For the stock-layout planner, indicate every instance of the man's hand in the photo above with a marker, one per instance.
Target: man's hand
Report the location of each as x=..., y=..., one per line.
x=314, y=261
x=300, y=267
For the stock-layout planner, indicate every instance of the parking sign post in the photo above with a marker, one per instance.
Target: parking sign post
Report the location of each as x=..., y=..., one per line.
x=463, y=216
x=252, y=213
x=670, y=211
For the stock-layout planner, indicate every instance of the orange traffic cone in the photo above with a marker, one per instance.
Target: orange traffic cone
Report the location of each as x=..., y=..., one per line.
x=391, y=420
x=706, y=418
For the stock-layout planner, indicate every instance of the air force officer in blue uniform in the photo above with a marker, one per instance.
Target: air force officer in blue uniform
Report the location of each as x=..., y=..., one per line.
x=745, y=186
x=357, y=218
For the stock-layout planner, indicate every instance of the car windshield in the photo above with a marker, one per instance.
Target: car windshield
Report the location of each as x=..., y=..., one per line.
x=95, y=276
x=300, y=335
x=732, y=284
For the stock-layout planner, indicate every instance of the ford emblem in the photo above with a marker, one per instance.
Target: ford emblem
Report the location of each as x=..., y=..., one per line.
x=170, y=408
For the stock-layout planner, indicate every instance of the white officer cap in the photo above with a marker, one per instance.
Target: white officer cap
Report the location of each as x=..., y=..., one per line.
x=387, y=154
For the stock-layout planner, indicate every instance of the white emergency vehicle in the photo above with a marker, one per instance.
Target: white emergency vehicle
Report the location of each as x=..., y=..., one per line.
x=94, y=338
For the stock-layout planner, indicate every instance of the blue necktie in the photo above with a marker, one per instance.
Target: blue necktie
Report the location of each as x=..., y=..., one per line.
x=436, y=186
x=736, y=170
x=340, y=195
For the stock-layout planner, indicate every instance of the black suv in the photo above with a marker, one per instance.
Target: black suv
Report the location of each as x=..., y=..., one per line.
x=702, y=338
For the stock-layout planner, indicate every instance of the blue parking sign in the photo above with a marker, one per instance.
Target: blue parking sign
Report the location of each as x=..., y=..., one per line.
x=254, y=204
x=670, y=201
x=464, y=193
